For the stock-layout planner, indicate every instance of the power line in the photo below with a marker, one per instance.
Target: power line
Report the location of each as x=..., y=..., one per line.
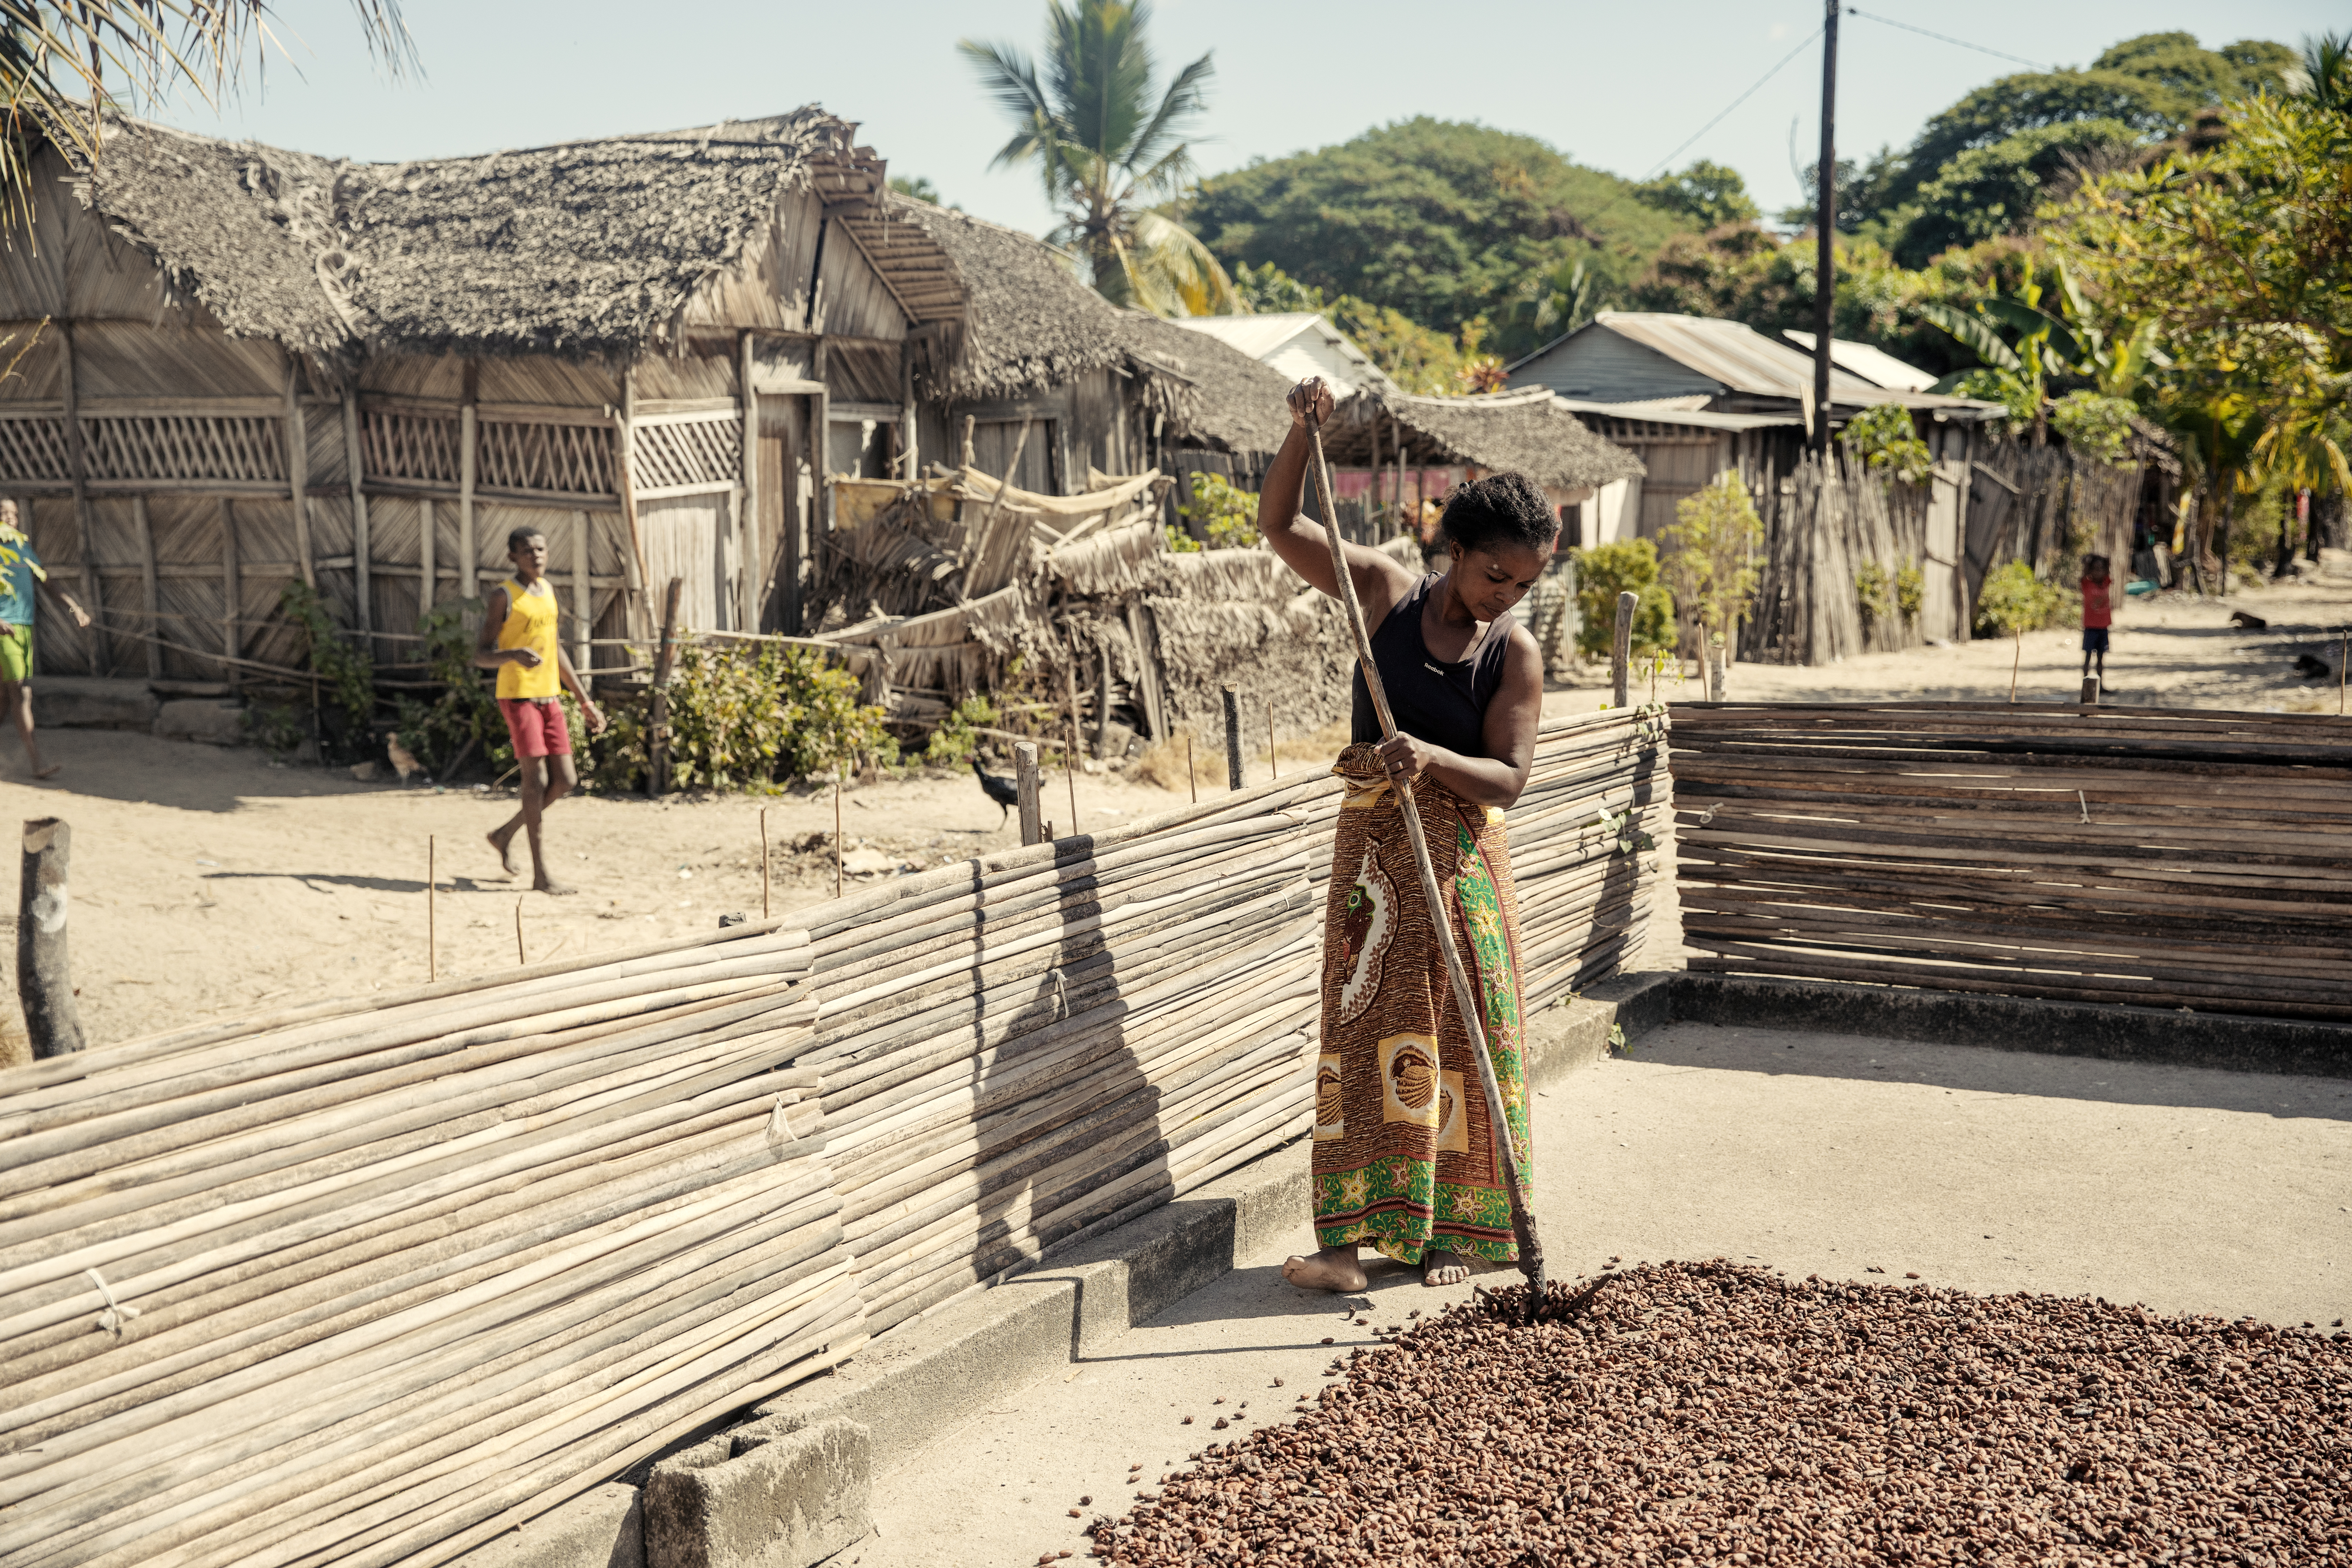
x=1948, y=39
x=1734, y=104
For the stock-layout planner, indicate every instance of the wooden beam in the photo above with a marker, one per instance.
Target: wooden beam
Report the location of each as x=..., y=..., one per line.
x=909, y=444
x=583, y=602
x=152, y=597
x=469, y=549
x=364, y=611
x=748, y=555
x=231, y=589
x=94, y=639
x=298, y=473
x=427, y=577
x=640, y=612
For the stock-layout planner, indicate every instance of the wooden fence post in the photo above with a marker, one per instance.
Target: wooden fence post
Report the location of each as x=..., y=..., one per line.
x=1233, y=737
x=1621, y=649
x=44, y=978
x=1024, y=780
x=658, y=728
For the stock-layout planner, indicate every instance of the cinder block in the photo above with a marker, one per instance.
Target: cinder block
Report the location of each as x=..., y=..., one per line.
x=215, y=723
x=761, y=1499
x=598, y=1529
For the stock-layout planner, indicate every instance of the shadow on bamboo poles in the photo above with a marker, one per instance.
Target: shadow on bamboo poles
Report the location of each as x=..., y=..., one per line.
x=44, y=978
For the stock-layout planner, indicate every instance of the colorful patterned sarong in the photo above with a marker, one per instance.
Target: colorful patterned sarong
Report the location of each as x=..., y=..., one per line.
x=1403, y=1155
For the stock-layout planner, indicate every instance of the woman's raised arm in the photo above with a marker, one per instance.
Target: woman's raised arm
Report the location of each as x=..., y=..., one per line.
x=1381, y=579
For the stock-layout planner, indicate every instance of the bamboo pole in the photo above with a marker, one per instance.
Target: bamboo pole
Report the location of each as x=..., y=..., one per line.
x=432, y=941
x=767, y=884
x=836, y=830
x=1192, y=780
x=1465, y=998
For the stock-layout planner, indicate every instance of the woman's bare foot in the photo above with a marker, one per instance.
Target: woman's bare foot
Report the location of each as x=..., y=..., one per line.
x=1331, y=1269
x=48, y=773
x=1439, y=1267
x=553, y=887
x=502, y=840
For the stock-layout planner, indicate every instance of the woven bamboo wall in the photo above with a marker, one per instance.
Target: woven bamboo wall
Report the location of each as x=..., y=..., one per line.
x=2167, y=858
x=371, y=1284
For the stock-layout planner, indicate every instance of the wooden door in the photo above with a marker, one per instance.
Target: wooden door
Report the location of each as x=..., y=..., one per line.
x=683, y=540
x=785, y=499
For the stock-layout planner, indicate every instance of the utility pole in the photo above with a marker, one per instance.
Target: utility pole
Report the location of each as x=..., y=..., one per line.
x=1826, y=227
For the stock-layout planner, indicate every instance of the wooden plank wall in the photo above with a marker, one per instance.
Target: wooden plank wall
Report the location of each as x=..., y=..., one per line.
x=2161, y=857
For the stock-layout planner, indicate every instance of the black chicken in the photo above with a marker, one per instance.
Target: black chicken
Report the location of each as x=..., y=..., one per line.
x=1003, y=791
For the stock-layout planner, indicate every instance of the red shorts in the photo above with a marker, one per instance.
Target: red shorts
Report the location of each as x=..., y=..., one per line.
x=537, y=729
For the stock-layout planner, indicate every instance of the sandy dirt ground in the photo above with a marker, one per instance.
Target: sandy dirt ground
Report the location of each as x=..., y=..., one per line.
x=208, y=882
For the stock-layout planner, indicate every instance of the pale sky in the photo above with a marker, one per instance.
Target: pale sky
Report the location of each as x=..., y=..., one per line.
x=1616, y=86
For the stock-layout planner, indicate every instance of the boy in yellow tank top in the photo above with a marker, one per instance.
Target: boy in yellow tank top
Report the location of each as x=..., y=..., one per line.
x=519, y=641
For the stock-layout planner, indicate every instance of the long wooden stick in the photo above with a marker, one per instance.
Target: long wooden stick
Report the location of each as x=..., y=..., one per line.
x=766, y=887
x=432, y=948
x=1465, y=998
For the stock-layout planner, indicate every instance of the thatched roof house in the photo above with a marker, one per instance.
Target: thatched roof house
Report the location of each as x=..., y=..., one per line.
x=361, y=375
x=1527, y=431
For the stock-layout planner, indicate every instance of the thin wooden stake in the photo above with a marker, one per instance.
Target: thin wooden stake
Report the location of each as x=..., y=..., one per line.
x=2343, y=663
x=836, y=832
x=764, y=883
x=432, y=946
x=1273, y=762
x=1070, y=772
x=1465, y=998
x=1233, y=734
x=1025, y=793
x=43, y=975
x=520, y=960
x=1621, y=651
x=2013, y=660
x=1190, y=778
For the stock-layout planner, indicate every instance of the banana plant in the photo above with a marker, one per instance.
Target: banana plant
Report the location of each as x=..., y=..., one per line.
x=2070, y=343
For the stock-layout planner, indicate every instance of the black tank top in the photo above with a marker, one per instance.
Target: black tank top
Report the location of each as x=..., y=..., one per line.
x=1444, y=704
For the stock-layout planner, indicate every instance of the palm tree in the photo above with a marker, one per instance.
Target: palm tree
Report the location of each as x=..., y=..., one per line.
x=1107, y=151
x=62, y=60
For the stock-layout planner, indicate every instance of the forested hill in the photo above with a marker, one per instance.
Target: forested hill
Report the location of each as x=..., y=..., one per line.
x=1442, y=221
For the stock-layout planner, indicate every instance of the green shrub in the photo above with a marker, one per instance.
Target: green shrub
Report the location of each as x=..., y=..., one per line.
x=1872, y=591
x=463, y=721
x=1605, y=571
x=952, y=742
x=741, y=718
x=346, y=676
x=1883, y=439
x=2013, y=601
x=1910, y=590
x=1227, y=514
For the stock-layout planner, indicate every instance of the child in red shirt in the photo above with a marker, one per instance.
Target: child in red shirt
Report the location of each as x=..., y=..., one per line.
x=2099, y=613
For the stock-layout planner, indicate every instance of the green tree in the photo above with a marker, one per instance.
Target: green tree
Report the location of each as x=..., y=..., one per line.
x=1705, y=195
x=1710, y=561
x=1883, y=439
x=1110, y=151
x=1996, y=190
x=1441, y=222
x=64, y=66
x=2322, y=74
x=1605, y=571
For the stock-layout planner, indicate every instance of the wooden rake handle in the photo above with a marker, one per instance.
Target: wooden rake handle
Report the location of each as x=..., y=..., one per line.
x=1466, y=996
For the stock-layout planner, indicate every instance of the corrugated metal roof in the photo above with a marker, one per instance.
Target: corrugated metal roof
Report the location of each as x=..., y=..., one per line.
x=1257, y=336
x=1299, y=343
x=1746, y=361
x=1875, y=365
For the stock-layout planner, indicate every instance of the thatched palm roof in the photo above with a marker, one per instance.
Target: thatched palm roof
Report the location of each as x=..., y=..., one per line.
x=1240, y=405
x=583, y=249
x=1531, y=432
x=1029, y=322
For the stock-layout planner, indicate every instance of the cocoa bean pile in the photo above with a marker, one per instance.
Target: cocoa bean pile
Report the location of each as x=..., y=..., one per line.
x=1709, y=1411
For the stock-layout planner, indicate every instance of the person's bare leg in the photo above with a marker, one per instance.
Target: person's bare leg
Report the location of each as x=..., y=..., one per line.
x=1439, y=1267
x=554, y=786
x=502, y=837
x=19, y=700
x=1326, y=1269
